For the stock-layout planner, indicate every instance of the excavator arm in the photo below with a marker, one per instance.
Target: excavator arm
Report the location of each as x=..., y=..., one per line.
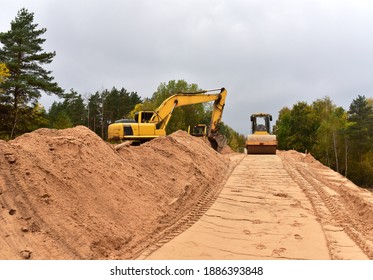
x=217, y=111
x=163, y=113
x=217, y=140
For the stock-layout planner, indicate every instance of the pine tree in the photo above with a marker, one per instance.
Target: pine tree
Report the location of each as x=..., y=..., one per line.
x=24, y=56
x=361, y=116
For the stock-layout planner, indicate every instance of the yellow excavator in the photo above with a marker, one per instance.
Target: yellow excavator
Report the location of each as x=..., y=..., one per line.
x=148, y=125
x=261, y=141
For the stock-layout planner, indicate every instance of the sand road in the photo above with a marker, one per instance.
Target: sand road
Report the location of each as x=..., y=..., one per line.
x=273, y=207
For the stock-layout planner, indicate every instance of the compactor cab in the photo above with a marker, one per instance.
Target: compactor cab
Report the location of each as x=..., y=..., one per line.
x=261, y=141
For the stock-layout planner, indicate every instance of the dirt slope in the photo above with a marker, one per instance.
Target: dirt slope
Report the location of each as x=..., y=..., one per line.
x=66, y=194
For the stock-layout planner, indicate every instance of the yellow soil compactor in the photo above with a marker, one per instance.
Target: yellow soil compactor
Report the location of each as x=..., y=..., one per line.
x=261, y=141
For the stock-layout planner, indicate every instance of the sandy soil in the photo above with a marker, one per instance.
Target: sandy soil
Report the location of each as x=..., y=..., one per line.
x=66, y=194
x=284, y=206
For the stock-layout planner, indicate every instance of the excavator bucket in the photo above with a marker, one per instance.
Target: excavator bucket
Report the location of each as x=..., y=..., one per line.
x=261, y=144
x=218, y=141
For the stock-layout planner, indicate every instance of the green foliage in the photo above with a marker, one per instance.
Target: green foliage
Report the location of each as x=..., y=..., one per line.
x=24, y=56
x=330, y=142
x=69, y=113
x=184, y=116
x=342, y=140
x=235, y=140
x=119, y=103
x=296, y=128
x=360, y=138
x=360, y=132
x=36, y=118
x=33, y=117
x=104, y=107
x=283, y=128
x=62, y=120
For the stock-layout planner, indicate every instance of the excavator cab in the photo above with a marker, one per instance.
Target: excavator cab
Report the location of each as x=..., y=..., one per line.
x=143, y=116
x=199, y=130
x=261, y=141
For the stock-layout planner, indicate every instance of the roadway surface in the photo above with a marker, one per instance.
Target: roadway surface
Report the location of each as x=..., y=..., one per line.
x=270, y=207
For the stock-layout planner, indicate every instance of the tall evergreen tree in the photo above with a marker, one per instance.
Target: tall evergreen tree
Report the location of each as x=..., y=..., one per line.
x=94, y=108
x=360, y=135
x=24, y=56
x=105, y=107
x=360, y=132
x=119, y=103
x=69, y=113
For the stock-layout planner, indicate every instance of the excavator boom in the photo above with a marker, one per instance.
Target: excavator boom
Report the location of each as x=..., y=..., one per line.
x=163, y=113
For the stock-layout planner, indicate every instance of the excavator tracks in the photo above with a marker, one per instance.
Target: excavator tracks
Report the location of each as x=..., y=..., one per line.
x=272, y=207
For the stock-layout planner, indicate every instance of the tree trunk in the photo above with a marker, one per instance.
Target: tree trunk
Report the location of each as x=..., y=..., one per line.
x=335, y=152
x=346, y=156
x=15, y=112
x=14, y=123
x=102, y=120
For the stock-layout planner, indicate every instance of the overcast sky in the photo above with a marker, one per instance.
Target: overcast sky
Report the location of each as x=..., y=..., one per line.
x=267, y=54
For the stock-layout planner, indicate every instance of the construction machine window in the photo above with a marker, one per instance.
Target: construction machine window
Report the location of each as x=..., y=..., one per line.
x=137, y=116
x=199, y=130
x=146, y=116
x=261, y=127
x=127, y=130
x=259, y=124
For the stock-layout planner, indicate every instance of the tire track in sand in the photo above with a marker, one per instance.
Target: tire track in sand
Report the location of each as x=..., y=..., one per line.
x=262, y=212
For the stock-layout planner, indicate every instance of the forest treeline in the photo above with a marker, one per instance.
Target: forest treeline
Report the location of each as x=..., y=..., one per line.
x=340, y=139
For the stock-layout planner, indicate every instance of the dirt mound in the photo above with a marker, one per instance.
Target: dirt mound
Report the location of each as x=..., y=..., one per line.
x=226, y=150
x=351, y=204
x=66, y=194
